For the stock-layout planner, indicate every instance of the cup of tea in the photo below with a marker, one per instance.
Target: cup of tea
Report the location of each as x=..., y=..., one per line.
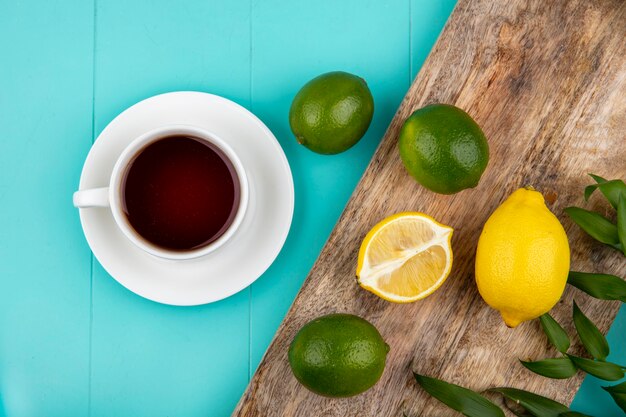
x=177, y=192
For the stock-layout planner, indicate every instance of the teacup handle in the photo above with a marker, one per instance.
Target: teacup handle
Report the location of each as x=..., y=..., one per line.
x=95, y=197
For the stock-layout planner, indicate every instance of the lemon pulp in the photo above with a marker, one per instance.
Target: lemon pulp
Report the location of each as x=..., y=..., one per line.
x=405, y=257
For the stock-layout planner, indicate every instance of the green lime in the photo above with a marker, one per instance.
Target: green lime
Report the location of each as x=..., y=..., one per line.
x=331, y=112
x=443, y=148
x=338, y=355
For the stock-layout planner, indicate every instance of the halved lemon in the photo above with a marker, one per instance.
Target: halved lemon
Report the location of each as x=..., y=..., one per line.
x=405, y=257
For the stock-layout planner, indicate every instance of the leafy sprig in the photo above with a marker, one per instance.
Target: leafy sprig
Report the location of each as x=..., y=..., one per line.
x=473, y=404
x=595, y=224
x=565, y=367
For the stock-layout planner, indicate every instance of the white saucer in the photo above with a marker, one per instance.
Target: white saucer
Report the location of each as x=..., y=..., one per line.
x=250, y=251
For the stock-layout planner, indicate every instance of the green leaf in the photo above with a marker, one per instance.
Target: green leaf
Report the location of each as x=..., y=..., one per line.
x=573, y=414
x=598, y=178
x=618, y=392
x=593, y=340
x=556, y=335
x=557, y=368
x=604, y=370
x=602, y=286
x=458, y=398
x=596, y=225
x=621, y=221
x=591, y=188
x=535, y=404
x=611, y=189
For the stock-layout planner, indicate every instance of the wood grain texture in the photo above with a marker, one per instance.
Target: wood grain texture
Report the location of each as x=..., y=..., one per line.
x=547, y=82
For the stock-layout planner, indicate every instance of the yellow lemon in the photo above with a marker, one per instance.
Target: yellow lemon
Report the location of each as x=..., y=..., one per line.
x=405, y=257
x=522, y=260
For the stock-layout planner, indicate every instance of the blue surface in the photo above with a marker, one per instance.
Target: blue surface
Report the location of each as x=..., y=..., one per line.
x=73, y=342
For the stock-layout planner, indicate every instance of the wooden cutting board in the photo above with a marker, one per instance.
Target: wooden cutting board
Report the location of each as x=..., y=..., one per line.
x=546, y=80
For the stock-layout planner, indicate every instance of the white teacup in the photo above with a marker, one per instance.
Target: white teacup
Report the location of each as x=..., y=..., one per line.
x=112, y=198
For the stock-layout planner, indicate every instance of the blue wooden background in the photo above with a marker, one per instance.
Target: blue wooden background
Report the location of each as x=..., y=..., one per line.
x=73, y=342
